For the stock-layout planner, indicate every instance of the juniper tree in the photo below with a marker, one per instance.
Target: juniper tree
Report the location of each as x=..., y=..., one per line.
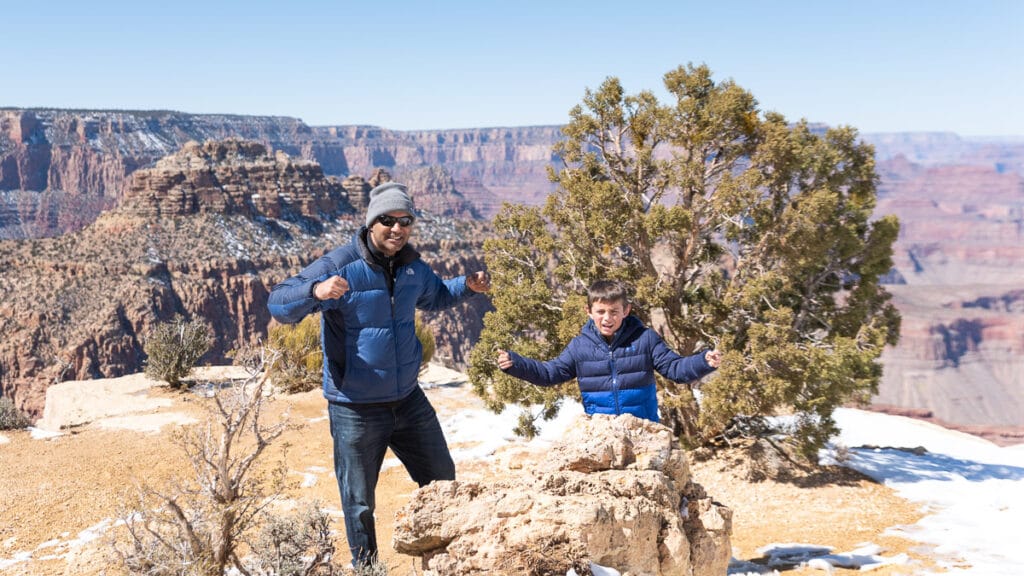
x=736, y=228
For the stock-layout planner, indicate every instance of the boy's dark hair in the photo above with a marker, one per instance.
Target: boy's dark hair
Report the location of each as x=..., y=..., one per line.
x=607, y=291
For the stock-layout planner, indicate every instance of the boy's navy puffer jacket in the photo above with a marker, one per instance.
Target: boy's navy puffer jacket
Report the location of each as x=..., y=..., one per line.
x=615, y=378
x=370, y=349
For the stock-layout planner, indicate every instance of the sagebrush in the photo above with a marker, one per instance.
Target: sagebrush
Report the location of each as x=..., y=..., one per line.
x=10, y=417
x=299, y=363
x=173, y=348
x=296, y=544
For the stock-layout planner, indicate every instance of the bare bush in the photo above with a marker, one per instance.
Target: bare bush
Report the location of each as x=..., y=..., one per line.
x=196, y=525
x=299, y=544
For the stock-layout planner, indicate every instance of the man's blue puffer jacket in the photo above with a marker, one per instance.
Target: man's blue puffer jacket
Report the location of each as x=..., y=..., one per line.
x=371, y=353
x=616, y=378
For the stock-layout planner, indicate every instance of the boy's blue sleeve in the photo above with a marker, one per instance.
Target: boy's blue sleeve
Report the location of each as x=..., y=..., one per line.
x=675, y=367
x=561, y=369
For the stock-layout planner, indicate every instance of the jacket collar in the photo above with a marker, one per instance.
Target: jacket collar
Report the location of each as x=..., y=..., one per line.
x=630, y=326
x=375, y=257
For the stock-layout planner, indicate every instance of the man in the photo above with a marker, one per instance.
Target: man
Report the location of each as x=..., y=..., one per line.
x=368, y=292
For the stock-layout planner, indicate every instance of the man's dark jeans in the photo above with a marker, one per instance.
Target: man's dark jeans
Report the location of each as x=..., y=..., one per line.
x=362, y=434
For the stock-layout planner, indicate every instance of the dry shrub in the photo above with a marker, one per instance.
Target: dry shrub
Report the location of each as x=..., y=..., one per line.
x=195, y=525
x=299, y=363
x=294, y=544
x=173, y=348
x=10, y=417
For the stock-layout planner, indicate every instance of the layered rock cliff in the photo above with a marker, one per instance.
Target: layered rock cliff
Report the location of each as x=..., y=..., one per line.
x=91, y=154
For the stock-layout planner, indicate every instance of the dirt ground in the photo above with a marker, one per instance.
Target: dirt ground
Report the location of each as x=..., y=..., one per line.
x=59, y=496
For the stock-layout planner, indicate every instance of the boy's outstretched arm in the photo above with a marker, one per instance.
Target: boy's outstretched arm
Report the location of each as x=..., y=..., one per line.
x=683, y=368
x=556, y=371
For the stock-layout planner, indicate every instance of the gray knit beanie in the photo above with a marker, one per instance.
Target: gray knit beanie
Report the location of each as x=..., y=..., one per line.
x=388, y=197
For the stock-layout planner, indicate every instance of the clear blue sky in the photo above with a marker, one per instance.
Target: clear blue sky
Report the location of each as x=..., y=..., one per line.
x=877, y=65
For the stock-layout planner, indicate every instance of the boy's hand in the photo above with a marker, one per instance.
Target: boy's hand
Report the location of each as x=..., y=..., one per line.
x=504, y=360
x=713, y=358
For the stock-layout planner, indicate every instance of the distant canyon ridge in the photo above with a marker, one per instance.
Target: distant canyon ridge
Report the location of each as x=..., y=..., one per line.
x=959, y=262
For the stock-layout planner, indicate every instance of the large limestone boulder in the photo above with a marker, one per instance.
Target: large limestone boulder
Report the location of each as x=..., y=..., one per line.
x=615, y=491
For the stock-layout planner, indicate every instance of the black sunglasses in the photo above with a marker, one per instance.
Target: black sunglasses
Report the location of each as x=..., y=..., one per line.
x=389, y=221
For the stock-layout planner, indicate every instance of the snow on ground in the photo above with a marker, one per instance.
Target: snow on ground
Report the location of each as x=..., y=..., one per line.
x=972, y=489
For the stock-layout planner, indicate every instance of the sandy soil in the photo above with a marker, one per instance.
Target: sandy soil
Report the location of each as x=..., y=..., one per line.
x=57, y=493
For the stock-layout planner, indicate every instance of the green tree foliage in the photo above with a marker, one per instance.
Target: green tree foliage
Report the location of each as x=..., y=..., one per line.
x=736, y=229
x=174, y=347
x=299, y=363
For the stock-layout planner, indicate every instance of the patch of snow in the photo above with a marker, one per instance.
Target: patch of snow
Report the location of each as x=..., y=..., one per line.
x=58, y=548
x=311, y=475
x=597, y=570
x=149, y=423
x=970, y=487
x=40, y=434
x=17, y=558
x=867, y=557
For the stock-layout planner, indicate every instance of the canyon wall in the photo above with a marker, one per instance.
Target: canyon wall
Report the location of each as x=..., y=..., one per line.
x=81, y=160
x=959, y=261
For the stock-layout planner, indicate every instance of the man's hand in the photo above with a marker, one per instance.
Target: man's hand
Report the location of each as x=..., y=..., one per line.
x=333, y=287
x=478, y=281
x=504, y=360
x=713, y=357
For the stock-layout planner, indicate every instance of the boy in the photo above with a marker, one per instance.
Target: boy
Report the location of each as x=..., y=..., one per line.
x=613, y=359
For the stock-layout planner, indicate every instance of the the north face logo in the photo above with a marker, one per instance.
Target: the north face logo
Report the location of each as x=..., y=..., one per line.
x=409, y=271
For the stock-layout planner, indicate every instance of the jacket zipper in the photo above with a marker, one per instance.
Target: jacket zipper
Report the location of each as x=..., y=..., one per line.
x=615, y=380
x=392, y=281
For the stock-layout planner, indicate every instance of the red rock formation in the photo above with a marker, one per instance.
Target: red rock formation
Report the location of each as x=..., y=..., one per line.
x=233, y=177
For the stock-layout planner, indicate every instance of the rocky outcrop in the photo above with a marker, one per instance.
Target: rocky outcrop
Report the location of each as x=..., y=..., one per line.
x=436, y=193
x=234, y=177
x=615, y=492
x=488, y=165
x=948, y=149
